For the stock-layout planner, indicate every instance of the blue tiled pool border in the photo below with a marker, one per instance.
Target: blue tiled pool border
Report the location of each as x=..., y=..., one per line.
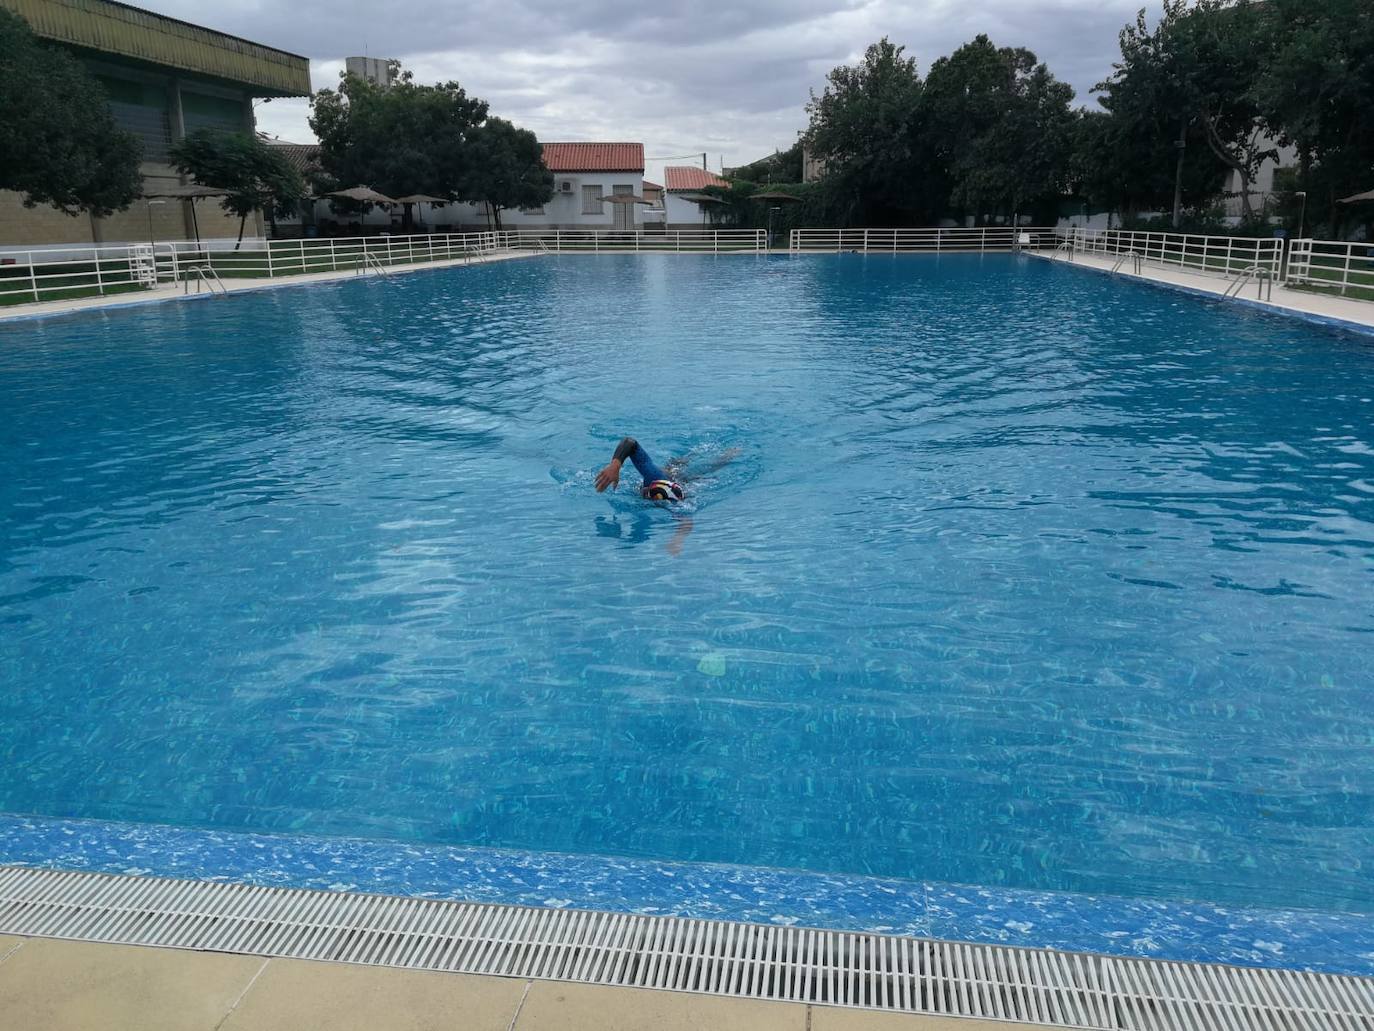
x=1197, y=932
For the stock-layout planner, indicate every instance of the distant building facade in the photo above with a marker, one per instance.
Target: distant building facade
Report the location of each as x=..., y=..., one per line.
x=378, y=70
x=165, y=78
x=813, y=167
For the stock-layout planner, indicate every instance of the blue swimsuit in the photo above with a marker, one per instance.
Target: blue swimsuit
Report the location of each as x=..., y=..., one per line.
x=657, y=486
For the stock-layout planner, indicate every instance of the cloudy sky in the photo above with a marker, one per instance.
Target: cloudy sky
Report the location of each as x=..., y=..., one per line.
x=728, y=78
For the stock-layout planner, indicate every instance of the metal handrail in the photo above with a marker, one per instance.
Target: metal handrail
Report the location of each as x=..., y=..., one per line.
x=1134, y=258
x=203, y=274
x=373, y=262
x=1066, y=248
x=1260, y=274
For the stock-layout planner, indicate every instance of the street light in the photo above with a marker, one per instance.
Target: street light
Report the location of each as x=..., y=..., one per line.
x=1302, y=211
x=150, y=202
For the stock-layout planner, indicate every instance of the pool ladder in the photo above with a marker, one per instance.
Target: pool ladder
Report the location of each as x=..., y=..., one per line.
x=1264, y=282
x=1065, y=247
x=204, y=275
x=1133, y=257
x=370, y=262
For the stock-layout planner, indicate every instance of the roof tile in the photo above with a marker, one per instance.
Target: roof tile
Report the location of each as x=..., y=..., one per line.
x=594, y=157
x=689, y=177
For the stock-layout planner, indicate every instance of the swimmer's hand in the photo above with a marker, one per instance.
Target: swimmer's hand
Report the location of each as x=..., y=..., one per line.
x=608, y=477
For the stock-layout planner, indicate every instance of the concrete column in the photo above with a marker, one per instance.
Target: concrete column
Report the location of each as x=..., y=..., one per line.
x=251, y=124
x=178, y=120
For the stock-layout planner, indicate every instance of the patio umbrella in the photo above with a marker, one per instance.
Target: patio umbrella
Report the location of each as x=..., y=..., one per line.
x=418, y=198
x=1356, y=198
x=701, y=198
x=192, y=192
x=776, y=195
x=363, y=195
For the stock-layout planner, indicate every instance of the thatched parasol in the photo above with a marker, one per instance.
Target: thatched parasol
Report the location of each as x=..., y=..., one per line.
x=363, y=195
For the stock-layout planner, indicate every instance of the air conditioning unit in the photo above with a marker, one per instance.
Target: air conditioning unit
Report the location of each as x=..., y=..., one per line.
x=565, y=186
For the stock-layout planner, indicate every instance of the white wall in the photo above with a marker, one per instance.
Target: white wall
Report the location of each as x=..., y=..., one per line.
x=1262, y=185
x=685, y=213
x=565, y=210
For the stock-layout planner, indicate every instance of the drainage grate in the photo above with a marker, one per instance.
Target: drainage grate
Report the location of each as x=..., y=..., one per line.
x=746, y=960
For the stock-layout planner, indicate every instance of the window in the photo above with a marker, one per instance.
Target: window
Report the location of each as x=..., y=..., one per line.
x=533, y=211
x=591, y=201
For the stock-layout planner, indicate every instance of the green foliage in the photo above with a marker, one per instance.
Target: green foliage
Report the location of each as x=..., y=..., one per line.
x=989, y=131
x=60, y=143
x=1316, y=91
x=783, y=167
x=1001, y=124
x=507, y=168
x=256, y=176
x=398, y=139
x=866, y=126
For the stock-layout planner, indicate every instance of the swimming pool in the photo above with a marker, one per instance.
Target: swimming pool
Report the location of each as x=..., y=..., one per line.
x=1022, y=577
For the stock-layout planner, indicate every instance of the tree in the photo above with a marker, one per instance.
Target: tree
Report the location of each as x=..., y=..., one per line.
x=1315, y=90
x=1182, y=99
x=257, y=176
x=398, y=139
x=784, y=166
x=61, y=144
x=865, y=126
x=1001, y=123
x=507, y=169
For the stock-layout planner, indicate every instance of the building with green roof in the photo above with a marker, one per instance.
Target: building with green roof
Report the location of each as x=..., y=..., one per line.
x=165, y=78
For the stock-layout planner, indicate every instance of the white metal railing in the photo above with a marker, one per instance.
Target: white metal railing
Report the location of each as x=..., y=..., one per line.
x=60, y=273
x=597, y=241
x=1332, y=265
x=277, y=258
x=909, y=241
x=1225, y=256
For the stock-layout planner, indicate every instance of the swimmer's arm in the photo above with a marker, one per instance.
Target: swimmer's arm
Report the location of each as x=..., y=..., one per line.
x=684, y=527
x=610, y=475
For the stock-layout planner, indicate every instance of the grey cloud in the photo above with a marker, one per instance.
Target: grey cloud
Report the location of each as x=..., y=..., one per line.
x=725, y=78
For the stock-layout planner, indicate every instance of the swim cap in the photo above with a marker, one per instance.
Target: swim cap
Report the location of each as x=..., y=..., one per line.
x=663, y=490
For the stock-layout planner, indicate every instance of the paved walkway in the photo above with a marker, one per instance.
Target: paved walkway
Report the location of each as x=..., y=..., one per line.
x=171, y=291
x=52, y=985
x=1321, y=305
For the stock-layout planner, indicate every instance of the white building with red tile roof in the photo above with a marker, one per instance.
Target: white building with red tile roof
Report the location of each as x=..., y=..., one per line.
x=680, y=182
x=583, y=173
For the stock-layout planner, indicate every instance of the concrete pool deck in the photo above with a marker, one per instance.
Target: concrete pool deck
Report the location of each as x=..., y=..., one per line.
x=1329, y=309
x=54, y=985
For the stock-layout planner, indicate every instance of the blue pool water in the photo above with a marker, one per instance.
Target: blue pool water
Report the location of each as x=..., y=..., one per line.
x=1022, y=576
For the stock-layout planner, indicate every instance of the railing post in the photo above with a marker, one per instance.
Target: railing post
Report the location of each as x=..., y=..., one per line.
x=33, y=276
x=99, y=284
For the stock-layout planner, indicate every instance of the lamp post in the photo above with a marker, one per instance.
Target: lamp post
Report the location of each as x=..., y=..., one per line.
x=150, y=202
x=1302, y=211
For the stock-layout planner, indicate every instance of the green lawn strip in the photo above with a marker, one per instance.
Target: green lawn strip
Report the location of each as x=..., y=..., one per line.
x=9, y=297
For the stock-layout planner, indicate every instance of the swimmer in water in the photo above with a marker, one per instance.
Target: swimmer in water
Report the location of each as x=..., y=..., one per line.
x=658, y=485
